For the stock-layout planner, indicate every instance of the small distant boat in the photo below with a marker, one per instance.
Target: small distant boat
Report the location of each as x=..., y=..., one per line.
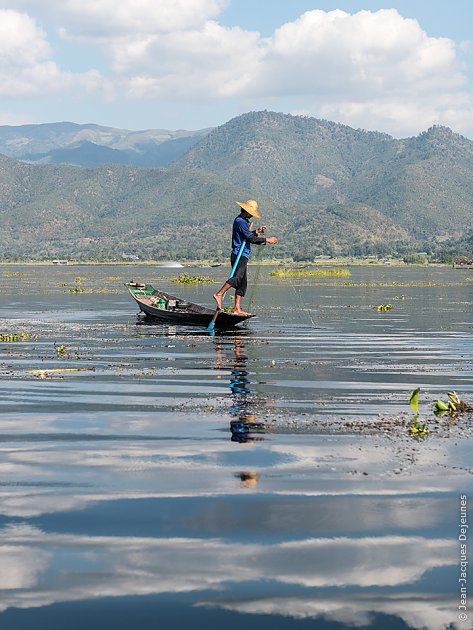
x=169, y=309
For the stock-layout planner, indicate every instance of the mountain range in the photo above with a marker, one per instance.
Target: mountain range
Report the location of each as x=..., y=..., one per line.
x=90, y=145
x=324, y=189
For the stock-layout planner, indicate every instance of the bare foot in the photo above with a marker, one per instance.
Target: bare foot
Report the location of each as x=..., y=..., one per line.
x=218, y=299
x=239, y=312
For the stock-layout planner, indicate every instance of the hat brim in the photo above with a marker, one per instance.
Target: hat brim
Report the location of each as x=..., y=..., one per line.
x=254, y=213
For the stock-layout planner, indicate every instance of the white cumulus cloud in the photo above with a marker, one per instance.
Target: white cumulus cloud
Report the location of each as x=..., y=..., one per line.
x=372, y=69
x=369, y=69
x=210, y=63
x=363, y=54
x=26, y=66
x=109, y=18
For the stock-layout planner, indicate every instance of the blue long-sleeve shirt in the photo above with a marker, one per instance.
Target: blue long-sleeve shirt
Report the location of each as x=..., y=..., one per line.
x=241, y=232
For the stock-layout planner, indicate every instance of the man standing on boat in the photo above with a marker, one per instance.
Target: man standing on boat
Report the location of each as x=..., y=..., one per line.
x=243, y=235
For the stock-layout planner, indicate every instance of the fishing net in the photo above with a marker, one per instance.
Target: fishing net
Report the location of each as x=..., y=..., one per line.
x=258, y=257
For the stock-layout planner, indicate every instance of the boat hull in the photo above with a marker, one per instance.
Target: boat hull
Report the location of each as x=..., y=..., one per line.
x=189, y=314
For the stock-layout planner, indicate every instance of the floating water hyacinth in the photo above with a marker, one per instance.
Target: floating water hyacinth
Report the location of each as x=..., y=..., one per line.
x=16, y=337
x=417, y=429
x=301, y=273
x=454, y=406
x=184, y=278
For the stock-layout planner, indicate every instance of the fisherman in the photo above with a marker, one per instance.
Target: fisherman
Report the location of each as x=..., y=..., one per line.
x=243, y=232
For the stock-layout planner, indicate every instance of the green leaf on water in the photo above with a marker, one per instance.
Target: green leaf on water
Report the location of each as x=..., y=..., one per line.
x=441, y=406
x=414, y=400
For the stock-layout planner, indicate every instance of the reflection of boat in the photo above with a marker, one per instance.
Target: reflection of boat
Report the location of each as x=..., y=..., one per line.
x=169, y=309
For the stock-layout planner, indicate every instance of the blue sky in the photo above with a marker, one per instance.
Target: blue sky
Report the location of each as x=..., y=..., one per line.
x=397, y=66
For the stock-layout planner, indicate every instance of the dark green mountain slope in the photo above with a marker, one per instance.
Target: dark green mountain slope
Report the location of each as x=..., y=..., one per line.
x=70, y=212
x=293, y=157
x=48, y=211
x=429, y=185
x=423, y=183
x=324, y=188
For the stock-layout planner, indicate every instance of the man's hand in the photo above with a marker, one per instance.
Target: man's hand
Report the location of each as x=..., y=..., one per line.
x=260, y=229
x=271, y=240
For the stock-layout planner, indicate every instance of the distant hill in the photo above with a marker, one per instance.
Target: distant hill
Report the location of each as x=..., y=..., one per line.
x=91, y=145
x=422, y=183
x=324, y=189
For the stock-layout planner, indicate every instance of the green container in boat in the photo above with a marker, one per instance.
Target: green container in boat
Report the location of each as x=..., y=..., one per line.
x=161, y=304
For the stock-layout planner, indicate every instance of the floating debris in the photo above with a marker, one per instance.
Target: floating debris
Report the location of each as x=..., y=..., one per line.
x=383, y=307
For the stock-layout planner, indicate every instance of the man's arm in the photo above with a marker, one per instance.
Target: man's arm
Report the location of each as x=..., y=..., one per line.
x=250, y=235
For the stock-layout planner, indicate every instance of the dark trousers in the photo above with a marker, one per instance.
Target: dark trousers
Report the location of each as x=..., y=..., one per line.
x=239, y=280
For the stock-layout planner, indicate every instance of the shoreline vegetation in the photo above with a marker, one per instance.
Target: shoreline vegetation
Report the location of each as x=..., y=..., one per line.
x=275, y=262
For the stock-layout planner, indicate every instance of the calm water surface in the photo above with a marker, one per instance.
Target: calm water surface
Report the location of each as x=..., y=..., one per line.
x=177, y=479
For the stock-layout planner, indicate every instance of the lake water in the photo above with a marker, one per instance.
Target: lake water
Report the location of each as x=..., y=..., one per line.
x=260, y=478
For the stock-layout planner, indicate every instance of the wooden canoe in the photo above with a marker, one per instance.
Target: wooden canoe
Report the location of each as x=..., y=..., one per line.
x=168, y=309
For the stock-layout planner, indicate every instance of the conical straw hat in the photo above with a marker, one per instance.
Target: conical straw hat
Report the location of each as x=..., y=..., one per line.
x=251, y=206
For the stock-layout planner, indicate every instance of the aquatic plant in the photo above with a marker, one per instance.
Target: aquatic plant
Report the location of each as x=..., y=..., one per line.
x=414, y=399
x=184, y=278
x=454, y=406
x=441, y=406
x=417, y=429
x=383, y=307
x=77, y=287
x=295, y=272
x=63, y=352
x=15, y=337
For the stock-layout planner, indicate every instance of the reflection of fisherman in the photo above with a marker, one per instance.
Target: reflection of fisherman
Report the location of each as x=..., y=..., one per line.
x=245, y=424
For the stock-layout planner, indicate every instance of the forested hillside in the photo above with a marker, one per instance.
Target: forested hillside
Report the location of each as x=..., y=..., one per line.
x=422, y=183
x=324, y=188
